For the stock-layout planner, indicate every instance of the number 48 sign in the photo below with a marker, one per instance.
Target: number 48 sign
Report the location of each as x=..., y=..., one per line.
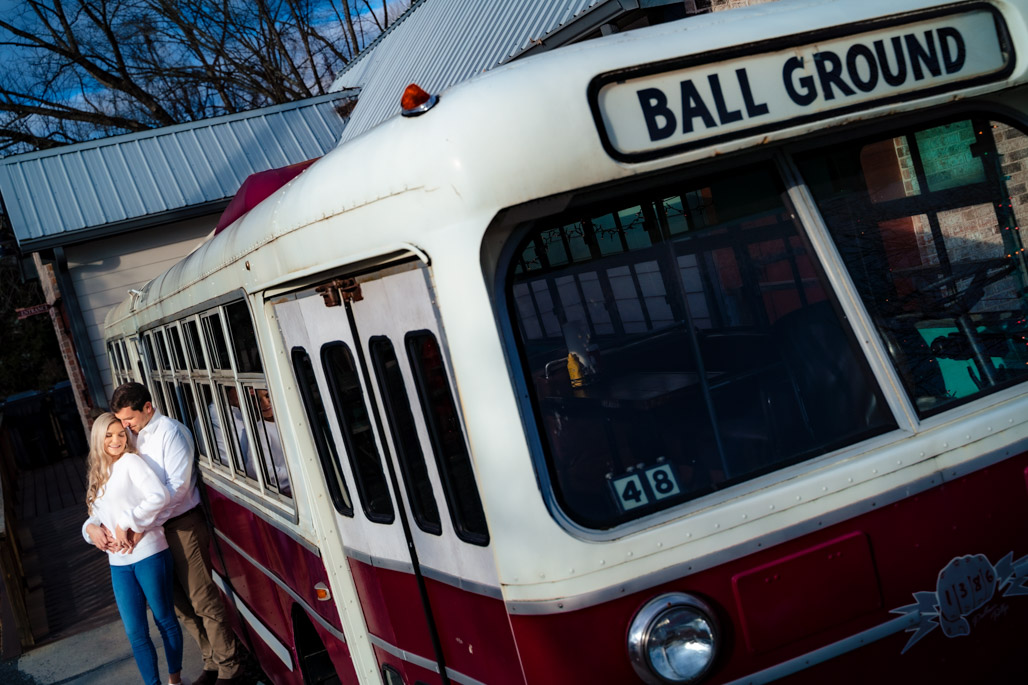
x=640, y=488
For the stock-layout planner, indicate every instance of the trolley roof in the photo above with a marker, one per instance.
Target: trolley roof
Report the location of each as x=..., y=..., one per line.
x=520, y=132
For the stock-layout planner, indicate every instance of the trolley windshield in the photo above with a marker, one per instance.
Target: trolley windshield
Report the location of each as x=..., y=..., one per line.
x=681, y=337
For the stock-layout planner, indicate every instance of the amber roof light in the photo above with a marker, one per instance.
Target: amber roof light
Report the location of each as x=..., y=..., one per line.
x=415, y=101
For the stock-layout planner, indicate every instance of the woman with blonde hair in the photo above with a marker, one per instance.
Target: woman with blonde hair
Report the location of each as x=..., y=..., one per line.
x=124, y=495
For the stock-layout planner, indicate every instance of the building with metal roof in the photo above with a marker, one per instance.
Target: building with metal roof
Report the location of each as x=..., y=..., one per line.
x=106, y=216
x=79, y=192
x=439, y=43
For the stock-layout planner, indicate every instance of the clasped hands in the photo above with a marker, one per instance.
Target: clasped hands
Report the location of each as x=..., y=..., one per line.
x=122, y=541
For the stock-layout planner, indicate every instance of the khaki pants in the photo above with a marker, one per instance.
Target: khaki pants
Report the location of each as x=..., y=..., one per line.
x=197, y=601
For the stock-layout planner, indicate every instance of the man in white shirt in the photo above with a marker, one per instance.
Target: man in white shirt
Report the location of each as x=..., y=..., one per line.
x=167, y=447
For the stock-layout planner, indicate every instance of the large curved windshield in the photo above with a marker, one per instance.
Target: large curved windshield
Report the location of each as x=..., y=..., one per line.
x=680, y=339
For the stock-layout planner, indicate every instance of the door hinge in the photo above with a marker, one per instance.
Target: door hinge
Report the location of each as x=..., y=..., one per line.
x=334, y=293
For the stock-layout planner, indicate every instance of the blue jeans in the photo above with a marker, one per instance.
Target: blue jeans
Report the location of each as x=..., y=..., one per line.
x=149, y=582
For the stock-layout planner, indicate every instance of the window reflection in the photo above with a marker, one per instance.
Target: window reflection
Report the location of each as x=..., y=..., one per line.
x=268, y=442
x=928, y=225
x=694, y=347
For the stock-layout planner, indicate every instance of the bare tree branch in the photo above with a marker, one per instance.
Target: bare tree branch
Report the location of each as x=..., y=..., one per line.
x=78, y=69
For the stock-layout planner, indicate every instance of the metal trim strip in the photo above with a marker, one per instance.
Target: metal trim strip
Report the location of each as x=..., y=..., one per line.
x=491, y=591
x=831, y=651
x=336, y=632
x=276, y=645
x=421, y=661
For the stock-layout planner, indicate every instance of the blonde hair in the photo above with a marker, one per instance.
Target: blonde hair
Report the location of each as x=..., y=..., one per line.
x=99, y=464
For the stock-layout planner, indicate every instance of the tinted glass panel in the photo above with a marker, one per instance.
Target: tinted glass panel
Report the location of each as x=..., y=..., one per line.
x=157, y=392
x=244, y=339
x=193, y=343
x=212, y=422
x=189, y=415
x=177, y=357
x=214, y=336
x=151, y=358
x=928, y=224
x=447, y=436
x=162, y=349
x=317, y=418
x=405, y=436
x=236, y=435
x=682, y=342
x=358, y=432
x=268, y=443
x=171, y=396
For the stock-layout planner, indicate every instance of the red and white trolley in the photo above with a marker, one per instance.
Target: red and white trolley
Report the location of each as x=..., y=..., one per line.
x=696, y=353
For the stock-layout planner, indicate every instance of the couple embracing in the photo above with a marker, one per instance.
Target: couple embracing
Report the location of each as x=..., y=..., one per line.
x=145, y=512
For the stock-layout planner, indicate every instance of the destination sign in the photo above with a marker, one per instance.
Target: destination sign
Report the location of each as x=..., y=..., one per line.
x=661, y=112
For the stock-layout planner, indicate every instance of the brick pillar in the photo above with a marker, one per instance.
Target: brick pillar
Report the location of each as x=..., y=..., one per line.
x=59, y=318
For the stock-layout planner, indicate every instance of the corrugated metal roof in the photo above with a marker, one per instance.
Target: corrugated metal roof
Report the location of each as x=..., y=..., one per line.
x=439, y=43
x=58, y=196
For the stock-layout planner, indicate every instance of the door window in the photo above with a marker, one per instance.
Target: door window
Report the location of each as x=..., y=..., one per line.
x=405, y=436
x=447, y=437
x=317, y=418
x=358, y=434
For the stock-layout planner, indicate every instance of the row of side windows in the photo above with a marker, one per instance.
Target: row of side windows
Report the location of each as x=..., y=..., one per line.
x=205, y=370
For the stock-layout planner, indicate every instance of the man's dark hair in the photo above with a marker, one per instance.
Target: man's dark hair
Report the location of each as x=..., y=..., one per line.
x=131, y=395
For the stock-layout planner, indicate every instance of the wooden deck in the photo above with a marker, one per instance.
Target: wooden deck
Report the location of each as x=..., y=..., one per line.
x=52, y=488
x=68, y=580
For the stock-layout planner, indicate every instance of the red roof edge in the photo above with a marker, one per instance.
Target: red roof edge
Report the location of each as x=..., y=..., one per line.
x=256, y=188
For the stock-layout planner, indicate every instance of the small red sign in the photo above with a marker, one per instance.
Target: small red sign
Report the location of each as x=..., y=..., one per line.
x=26, y=312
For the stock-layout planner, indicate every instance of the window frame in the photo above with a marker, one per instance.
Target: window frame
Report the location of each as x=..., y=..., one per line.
x=507, y=232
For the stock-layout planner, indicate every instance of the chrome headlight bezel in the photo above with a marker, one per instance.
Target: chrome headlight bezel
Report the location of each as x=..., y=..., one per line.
x=642, y=625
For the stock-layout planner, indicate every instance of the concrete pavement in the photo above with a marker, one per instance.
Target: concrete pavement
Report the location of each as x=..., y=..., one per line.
x=98, y=656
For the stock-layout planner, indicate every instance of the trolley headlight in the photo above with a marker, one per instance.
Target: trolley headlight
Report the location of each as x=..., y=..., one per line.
x=673, y=639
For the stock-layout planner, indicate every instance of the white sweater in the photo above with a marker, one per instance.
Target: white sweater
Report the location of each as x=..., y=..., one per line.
x=132, y=498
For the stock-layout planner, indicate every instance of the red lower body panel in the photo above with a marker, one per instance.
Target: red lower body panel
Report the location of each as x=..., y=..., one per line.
x=259, y=555
x=474, y=631
x=789, y=600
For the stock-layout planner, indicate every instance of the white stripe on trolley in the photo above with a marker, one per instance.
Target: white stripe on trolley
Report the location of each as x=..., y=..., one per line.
x=276, y=645
x=428, y=664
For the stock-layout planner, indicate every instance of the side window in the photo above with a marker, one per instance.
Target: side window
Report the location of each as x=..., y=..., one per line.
x=448, y=444
x=171, y=406
x=214, y=337
x=189, y=416
x=266, y=449
x=234, y=431
x=178, y=358
x=162, y=349
x=317, y=419
x=212, y=422
x=196, y=358
x=678, y=339
x=244, y=339
x=151, y=358
x=358, y=435
x=405, y=436
x=928, y=224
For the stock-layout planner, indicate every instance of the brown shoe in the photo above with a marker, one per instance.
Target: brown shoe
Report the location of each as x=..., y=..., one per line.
x=207, y=678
